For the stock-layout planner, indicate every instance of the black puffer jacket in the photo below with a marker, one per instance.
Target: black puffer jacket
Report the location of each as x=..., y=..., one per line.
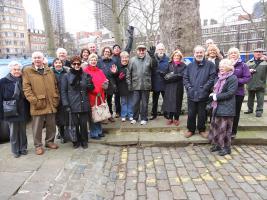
x=74, y=90
x=226, y=99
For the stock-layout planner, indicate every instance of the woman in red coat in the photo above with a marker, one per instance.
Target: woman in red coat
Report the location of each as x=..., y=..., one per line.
x=100, y=82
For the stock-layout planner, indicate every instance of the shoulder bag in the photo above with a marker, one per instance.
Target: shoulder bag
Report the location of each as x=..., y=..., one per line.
x=100, y=112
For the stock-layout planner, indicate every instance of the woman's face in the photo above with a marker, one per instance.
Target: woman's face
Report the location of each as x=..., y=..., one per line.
x=16, y=71
x=212, y=53
x=76, y=65
x=93, y=62
x=233, y=55
x=176, y=57
x=222, y=69
x=58, y=65
x=107, y=53
x=85, y=54
x=124, y=60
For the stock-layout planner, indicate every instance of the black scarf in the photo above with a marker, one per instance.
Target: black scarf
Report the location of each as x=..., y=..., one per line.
x=78, y=77
x=18, y=86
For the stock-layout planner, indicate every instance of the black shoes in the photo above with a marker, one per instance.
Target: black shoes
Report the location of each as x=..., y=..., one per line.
x=76, y=145
x=224, y=151
x=258, y=114
x=95, y=138
x=248, y=112
x=215, y=148
x=25, y=152
x=101, y=135
x=153, y=117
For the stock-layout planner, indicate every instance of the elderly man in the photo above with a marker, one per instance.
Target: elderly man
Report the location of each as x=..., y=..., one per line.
x=198, y=80
x=256, y=86
x=139, y=81
x=62, y=55
x=40, y=89
x=158, y=83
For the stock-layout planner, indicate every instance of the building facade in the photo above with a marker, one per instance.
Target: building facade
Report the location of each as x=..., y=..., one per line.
x=37, y=41
x=13, y=29
x=243, y=34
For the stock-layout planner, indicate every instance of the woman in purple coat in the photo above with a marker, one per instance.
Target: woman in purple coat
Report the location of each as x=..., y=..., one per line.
x=243, y=75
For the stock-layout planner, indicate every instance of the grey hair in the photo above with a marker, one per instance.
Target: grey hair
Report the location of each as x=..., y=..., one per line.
x=233, y=49
x=227, y=64
x=124, y=53
x=160, y=45
x=61, y=50
x=199, y=47
x=37, y=53
x=14, y=63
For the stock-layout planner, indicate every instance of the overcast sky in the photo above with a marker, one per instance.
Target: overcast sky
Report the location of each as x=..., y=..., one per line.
x=79, y=13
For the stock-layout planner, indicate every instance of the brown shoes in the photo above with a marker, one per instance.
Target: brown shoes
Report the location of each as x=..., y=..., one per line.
x=188, y=134
x=39, y=150
x=51, y=145
x=204, y=134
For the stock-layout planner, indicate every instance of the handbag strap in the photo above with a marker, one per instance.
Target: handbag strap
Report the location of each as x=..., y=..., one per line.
x=101, y=100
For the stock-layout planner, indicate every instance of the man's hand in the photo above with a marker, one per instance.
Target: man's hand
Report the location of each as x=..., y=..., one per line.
x=152, y=51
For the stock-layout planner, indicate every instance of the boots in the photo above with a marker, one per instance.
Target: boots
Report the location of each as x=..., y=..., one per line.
x=61, y=130
x=215, y=148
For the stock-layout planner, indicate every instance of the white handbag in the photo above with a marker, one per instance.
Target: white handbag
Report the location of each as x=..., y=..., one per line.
x=100, y=112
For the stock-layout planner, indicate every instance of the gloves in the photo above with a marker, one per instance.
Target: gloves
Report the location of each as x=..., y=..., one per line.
x=130, y=30
x=152, y=51
x=121, y=75
x=67, y=108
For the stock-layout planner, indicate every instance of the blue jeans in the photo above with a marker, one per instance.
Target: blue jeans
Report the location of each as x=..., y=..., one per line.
x=126, y=106
x=95, y=129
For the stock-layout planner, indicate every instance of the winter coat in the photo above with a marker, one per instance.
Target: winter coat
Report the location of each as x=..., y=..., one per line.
x=139, y=74
x=105, y=66
x=61, y=113
x=158, y=83
x=7, y=88
x=40, y=90
x=258, y=80
x=198, y=80
x=98, y=78
x=173, y=87
x=243, y=75
x=74, y=95
x=226, y=99
x=122, y=83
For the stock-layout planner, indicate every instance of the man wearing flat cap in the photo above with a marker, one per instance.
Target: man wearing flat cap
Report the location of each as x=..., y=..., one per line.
x=256, y=86
x=139, y=81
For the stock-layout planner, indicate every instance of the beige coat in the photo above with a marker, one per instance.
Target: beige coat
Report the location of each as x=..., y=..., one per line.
x=40, y=90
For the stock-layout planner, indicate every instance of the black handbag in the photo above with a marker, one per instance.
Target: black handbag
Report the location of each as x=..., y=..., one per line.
x=10, y=108
x=70, y=131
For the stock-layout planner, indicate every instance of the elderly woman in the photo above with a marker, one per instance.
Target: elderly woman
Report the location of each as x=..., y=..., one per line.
x=223, y=108
x=174, y=88
x=99, y=79
x=213, y=55
x=108, y=66
x=84, y=56
x=59, y=71
x=74, y=90
x=125, y=94
x=241, y=70
x=11, y=89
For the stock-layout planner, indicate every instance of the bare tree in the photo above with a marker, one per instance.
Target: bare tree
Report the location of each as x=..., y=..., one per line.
x=144, y=15
x=48, y=27
x=180, y=25
x=117, y=8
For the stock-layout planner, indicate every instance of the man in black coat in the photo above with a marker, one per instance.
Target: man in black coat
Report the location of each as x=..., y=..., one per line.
x=198, y=80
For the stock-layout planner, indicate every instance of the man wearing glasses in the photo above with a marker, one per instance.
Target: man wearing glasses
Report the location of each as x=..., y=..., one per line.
x=40, y=89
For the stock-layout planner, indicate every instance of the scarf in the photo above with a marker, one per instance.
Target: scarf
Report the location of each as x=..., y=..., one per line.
x=177, y=62
x=18, y=86
x=219, y=86
x=78, y=77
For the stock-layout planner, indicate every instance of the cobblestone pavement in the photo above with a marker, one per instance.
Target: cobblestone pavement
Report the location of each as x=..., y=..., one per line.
x=108, y=172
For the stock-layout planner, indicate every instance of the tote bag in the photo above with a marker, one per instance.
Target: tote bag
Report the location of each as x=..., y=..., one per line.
x=100, y=112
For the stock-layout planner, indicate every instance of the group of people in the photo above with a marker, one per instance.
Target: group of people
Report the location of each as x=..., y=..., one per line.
x=65, y=92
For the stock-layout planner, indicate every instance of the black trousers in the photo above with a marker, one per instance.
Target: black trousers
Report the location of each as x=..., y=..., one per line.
x=109, y=101
x=196, y=110
x=140, y=104
x=238, y=105
x=155, y=99
x=118, y=103
x=80, y=120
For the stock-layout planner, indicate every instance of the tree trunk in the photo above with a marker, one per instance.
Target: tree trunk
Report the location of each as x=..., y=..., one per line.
x=117, y=27
x=180, y=25
x=48, y=27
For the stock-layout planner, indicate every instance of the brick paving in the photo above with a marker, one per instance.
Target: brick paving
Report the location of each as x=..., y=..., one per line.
x=107, y=172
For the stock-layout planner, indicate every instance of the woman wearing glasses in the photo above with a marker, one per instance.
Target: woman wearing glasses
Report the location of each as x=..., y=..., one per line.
x=74, y=90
